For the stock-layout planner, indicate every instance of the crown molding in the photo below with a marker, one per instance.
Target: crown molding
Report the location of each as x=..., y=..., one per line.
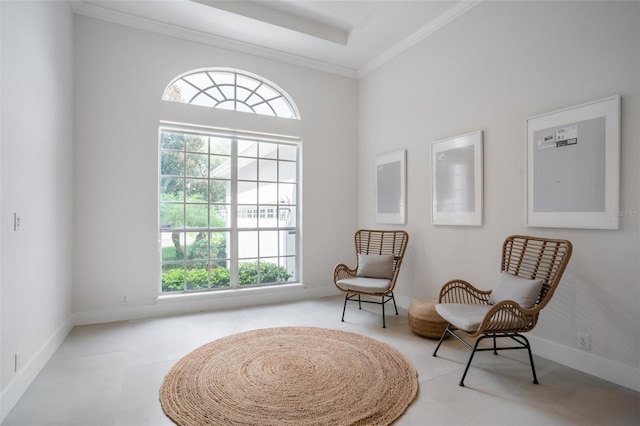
x=93, y=11
x=419, y=35
x=96, y=12
x=255, y=10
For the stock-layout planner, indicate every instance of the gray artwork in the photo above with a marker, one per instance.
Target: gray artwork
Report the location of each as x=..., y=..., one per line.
x=455, y=182
x=389, y=187
x=569, y=171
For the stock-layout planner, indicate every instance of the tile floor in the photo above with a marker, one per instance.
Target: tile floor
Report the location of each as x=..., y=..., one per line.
x=109, y=374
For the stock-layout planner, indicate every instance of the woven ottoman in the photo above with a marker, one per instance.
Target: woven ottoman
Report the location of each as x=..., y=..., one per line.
x=424, y=320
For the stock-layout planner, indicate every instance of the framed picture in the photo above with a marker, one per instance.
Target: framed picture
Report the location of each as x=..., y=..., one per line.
x=456, y=180
x=573, y=166
x=391, y=187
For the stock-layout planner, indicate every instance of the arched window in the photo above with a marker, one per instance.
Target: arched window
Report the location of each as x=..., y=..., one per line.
x=230, y=89
x=229, y=215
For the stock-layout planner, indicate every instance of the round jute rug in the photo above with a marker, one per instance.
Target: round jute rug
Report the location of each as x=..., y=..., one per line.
x=290, y=376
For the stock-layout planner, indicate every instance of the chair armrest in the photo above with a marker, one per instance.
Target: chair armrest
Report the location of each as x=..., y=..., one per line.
x=342, y=271
x=508, y=316
x=460, y=291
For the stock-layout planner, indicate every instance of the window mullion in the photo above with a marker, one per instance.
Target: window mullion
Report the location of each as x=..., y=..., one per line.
x=258, y=205
x=184, y=216
x=208, y=232
x=233, y=246
x=278, y=232
x=235, y=91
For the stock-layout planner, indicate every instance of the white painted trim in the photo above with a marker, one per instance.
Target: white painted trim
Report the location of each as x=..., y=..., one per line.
x=587, y=362
x=92, y=11
x=419, y=35
x=103, y=14
x=282, y=19
x=32, y=367
x=201, y=302
x=259, y=296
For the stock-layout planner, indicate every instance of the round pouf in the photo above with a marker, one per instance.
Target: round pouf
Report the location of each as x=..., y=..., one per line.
x=424, y=319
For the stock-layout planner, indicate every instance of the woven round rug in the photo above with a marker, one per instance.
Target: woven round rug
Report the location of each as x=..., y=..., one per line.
x=290, y=376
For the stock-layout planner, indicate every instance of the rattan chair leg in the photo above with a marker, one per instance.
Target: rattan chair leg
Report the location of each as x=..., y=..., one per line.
x=523, y=344
x=346, y=299
x=394, y=303
x=533, y=369
x=351, y=297
x=444, y=334
x=473, y=352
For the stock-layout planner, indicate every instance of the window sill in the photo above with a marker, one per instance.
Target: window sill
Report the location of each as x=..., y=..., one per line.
x=220, y=294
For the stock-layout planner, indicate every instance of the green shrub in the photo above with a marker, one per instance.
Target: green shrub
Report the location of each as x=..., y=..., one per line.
x=269, y=273
x=173, y=280
x=198, y=249
x=198, y=277
x=169, y=253
x=220, y=277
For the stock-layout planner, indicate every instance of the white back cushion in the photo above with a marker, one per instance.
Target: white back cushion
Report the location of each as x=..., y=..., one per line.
x=521, y=290
x=375, y=266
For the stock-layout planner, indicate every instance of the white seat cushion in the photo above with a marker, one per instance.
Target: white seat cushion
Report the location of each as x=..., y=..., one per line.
x=365, y=285
x=463, y=316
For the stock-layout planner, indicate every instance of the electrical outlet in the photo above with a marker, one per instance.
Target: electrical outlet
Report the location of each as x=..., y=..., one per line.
x=125, y=300
x=584, y=341
x=16, y=222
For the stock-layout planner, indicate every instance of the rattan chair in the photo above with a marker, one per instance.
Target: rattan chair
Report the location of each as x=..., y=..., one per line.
x=530, y=272
x=379, y=256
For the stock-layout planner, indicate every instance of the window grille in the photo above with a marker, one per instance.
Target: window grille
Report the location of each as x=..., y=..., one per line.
x=228, y=211
x=231, y=90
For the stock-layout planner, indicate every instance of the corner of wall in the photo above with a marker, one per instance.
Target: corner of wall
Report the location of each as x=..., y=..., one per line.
x=606, y=369
x=16, y=388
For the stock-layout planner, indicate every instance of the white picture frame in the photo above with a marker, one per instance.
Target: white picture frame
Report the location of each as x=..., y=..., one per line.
x=573, y=166
x=457, y=180
x=391, y=187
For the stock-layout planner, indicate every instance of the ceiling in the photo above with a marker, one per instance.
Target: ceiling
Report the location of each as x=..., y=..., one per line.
x=346, y=37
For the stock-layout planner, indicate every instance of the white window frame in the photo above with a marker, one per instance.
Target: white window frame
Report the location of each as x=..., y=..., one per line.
x=231, y=89
x=236, y=209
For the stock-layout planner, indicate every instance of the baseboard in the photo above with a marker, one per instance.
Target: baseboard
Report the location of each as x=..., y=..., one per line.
x=586, y=362
x=193, y=303
x=615, y=372
x=19, y=384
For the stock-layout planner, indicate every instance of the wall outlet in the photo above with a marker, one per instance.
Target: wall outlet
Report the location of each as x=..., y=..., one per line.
x=16, y=222
x=125, y=300
x=584, y=341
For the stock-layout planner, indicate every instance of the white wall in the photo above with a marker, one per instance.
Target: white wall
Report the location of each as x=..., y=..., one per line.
x=37, y=152
x=488, y=70
x=121, y=74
